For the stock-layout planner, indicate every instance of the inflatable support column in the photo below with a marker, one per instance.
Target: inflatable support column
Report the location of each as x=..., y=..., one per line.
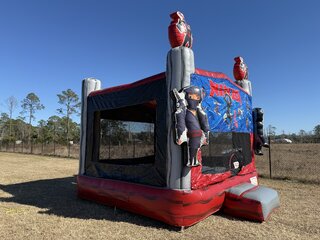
x=88, y=85
x=180, y=65
x=251, y=202
x=246, y=85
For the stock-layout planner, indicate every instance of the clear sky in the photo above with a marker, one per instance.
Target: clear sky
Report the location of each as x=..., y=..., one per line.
x=49, y=46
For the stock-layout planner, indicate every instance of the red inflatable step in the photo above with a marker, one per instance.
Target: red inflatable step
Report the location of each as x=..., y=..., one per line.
x=251, y=202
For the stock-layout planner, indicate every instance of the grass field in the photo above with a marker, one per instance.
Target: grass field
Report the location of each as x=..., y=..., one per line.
x=298, y=161
x=292, y=161
x=38, y=201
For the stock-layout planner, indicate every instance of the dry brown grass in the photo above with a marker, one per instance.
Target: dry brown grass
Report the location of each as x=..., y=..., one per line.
x=43, y=149
x=38, y=201
x=292, y=161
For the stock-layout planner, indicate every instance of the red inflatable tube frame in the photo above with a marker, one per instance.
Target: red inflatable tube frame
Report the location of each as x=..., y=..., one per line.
x=174, y=207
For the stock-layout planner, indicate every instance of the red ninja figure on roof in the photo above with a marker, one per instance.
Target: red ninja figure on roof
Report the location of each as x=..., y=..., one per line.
x=240, y=69
x=179, y=31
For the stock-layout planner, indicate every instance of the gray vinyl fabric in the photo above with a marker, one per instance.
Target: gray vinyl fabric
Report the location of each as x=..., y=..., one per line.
x=246, y=85
x=180, y=64
x=238, y=190
x=268, y=197
x=88, y=85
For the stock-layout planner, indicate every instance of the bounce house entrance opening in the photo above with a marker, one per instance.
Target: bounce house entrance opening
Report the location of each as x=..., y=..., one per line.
x=223, y=150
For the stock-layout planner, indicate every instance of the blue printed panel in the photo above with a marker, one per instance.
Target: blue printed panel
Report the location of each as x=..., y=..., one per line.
x=229, y=109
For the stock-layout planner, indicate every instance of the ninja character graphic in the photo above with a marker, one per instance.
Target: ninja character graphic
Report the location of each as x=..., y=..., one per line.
x=191, y=122
x=216, y=108
x=227, y=117
x=248, y=110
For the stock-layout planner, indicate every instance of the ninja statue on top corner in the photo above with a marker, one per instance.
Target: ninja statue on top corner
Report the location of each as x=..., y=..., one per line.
x=191, y=122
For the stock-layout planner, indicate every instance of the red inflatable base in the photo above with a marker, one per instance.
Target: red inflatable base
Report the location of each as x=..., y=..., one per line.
x=174, y=207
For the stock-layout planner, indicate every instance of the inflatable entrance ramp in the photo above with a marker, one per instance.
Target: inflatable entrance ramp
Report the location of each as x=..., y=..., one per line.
x=251, y=202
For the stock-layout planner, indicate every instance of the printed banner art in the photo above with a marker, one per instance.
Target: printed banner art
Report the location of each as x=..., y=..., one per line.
x=227, y=106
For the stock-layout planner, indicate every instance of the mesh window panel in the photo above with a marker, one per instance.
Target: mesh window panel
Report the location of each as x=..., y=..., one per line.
x=124, y=142
x=223, y=150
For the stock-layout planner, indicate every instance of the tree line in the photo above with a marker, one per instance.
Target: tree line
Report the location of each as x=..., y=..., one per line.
x=58, y=128
x=62, y=129
x=301, y=137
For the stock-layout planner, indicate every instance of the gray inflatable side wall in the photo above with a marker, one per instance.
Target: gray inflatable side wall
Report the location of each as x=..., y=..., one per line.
x=88, y=85
x=180, y=64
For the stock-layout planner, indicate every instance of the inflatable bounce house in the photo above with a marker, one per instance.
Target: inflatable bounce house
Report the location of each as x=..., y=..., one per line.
x=177, y=146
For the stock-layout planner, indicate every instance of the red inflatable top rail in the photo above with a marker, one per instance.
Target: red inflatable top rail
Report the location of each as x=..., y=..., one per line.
x=217, y=75
x=129, y=85
x=159, y=77
x=211, y=74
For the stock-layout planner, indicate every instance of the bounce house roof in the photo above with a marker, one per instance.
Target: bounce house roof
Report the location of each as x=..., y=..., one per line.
x=157, y=77
x=129, y=85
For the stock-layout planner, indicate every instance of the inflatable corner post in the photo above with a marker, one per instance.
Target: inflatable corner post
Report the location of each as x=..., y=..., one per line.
x=177, y=146
x=241, y=74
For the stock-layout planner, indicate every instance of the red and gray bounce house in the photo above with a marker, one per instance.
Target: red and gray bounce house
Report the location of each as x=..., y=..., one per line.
x=177, y=146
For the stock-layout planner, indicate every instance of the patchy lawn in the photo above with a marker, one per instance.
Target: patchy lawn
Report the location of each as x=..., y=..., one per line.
x=38, y=201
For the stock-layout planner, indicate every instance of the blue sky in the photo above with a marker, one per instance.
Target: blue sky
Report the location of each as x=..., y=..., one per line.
x=50, y=46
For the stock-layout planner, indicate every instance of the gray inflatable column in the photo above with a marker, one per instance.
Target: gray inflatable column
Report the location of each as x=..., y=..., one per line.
x=88, y=85
x=246, y=85
x=180, y=64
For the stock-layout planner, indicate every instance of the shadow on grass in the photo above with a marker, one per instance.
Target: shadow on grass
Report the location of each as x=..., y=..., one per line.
x=58, y=197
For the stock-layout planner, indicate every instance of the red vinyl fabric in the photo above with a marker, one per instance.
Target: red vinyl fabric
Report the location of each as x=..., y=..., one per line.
x=212, y=74
x=174, y=207
x=179, y=31
x=240, y=69
x=241, y=207
x=199, y=180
